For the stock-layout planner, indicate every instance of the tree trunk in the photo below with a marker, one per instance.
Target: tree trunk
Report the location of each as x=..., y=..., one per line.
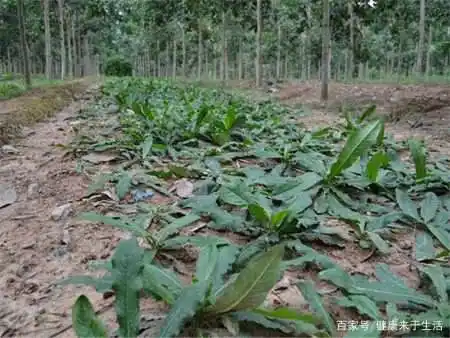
x=174, y=59
x=428, y=62
x=74, y=46
x=69, y=47
x=87, y=57
x=158, y=58
x=184, y=51
x=240, y=60
x=278, y=49
x=62, y=38
x=48, y=41
x=224, y=47
x=258, y=44
x=350, y=67
x=200, y=53
x=23, y=43
x=325, y=49
x=419, y=68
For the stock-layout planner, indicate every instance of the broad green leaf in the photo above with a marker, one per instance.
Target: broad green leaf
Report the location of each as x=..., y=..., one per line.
x=436, y=275
x=424, y=247
x=365, y=305
x=367, y=114
x=198, y=241
x=201, y=118
x=321, y=203
x=127, y=263
x=175, y=226
x=206, y=263
x=440, y=234
x=278, y=218
x=228, y=255
x=260, y=213
x=116, y=221
x=253, y=283
x=247, y=316
x=407, y=206
x=389, y=288
x=286, y=314
x=383, y=221
x=101, y=285
x=380, y=137
x=418, y=157
x=302, y=202
x=313, y=257
x=163, y=283
x=315, y=301
x=238, y=195
x=379, y=242
x=338, y=277
x=297, y=186
x=123, y=185
x=85, y=322
x=429, y=207
x=186, y=306
x=378, y=160
x=309, y=162
x=147, y=146
x=358, y=143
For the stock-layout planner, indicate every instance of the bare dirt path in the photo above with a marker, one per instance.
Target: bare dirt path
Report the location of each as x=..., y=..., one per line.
x=39, y=242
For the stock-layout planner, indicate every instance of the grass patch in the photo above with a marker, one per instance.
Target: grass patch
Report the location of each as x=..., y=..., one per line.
x=10, y=90
x=38, y=104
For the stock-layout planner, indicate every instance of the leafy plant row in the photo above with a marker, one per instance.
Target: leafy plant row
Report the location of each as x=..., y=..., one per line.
x=260, y=173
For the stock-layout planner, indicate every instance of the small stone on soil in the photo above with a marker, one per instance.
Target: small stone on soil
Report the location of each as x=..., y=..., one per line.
x=8, y=195
x=33, y=190
x=61, y=212
x=113, y=109
x=8, y=149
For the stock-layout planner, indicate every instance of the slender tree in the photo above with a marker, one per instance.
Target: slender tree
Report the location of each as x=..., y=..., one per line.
x=258, y=61
x=420, y=47
x=23, y=43
x=62, y=38
x=48, y=40
x=325, y=49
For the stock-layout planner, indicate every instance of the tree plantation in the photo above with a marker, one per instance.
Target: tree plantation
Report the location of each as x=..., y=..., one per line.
x=259, y=168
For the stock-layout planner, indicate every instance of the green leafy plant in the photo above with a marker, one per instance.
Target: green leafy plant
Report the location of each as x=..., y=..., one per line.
x=430, y=217
x=117, y=66
x=209, y=298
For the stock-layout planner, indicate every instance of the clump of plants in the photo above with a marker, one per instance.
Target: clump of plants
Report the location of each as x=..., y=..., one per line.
x=217, y=296
x=9, y=90
x=118, y=66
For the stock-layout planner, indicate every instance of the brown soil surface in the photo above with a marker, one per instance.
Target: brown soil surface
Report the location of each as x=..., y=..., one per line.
x=36, y=251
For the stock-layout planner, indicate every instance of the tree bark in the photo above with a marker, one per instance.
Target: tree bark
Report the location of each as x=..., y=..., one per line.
x=278, y=48
x=184, y=51
x=200, y=52
x=224, y=46
x=258, y=44
x=62, y=38
x=69, y=47
x=325, y=49
x=419, y=68
x=429, y=51
x=350, y=65
x=23, y=43
x=48, y=41
x=174, y=59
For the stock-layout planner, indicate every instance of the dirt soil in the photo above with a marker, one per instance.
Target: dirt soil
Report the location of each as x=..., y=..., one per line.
x=41, y=242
